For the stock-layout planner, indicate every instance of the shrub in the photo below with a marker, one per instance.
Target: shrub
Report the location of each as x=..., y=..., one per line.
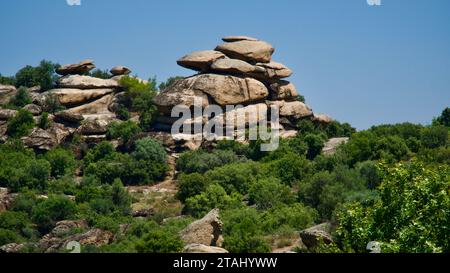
x=201, y=161
x=315, y=145
x=7, y=80
x=295, y=217
x=434, y=136
x=21, y=98
x=444, y=118
x=148, y=149
x=270, y=192
x=51, y=104
x=48, y=212
x=8, y=236
x=101, y=74
x=123, y=130
x=62, y=161
x=21, y=124
x=191, y=185
x=159, y=241
x=44, y=122
x=290, y=168
x=42, y=75
x=101, y=151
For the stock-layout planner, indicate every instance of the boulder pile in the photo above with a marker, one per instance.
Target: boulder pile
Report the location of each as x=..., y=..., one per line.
x=238, y=72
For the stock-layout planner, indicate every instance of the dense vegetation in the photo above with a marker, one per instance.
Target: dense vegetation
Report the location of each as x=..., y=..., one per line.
x=388, y=184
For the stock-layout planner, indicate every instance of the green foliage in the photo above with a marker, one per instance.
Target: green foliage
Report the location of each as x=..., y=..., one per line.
x=21, y=124
x=51, y=104
x=159, y=241
x=191, y=185
x=101, y=74
x=444, y=118
x=434, y=136
x=123, y=130
x=270, y=192
x=243, y=233
x=62, y=162
x=7, y=80
x=290, y=168
x=8, y=236
x=293, y=216
x=44, y=122
x=315, y=145
x=123, y=113
x=21, y=98
x=148, y=149
x=42, y=75
x=49, y=211
x=101, y=151
x=169, y=82
x=412, y=214
x=201, y=161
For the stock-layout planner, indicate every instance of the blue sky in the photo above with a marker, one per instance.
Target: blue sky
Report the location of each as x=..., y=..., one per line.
x=358, y=63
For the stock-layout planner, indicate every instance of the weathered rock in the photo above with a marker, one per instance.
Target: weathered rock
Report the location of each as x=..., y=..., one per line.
x=6, y=93
x=200, y=60
x=91, y=139
x=63, y=228
x=283, y=90
x=120, y=70
x=235, y=67
x=36, y=110
x=93, y=127
x=332, y=145
x=274, y=70
x=6, y=114
x=294, y=109
x=199, y=248
x=231, y=39
x=47, y=139
x=73, y=97
x=312, y=236
x=87, y=82
x=100, y=106
x=12, y=248
x=322, y=118
x=6, y=199
x=67, y=116
x=206, y=231
x=250, y=51
x=76, y=69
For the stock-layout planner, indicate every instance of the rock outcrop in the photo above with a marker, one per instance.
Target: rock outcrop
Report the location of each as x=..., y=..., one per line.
x=76, y=69
x=206, y=231
x=6, y=93
x=311, y=237
x=332, y=145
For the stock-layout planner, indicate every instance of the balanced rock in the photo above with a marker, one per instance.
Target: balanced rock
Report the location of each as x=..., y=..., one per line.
x=274, y=70
x=231, y=39
x=295, y=109
x=76, y=69
x=199, y=248
x=71, y=97
x=86, y=82
x=235, y=66
x=206, y=231
x=120, y=70
x=6, y=93
x=283, y=90
x=249, y=51
x=200, y=60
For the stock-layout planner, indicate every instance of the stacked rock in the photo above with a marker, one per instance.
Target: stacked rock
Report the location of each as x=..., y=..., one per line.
x=239, y=72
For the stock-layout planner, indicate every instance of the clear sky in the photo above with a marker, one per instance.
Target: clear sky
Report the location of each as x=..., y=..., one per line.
x=363, y=64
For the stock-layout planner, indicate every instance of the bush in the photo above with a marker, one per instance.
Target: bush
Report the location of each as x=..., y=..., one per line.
x=159, y=241
x=295, y=217
x=270, y=192
x=290, y=168
x=22, y=98
x=148, y=149
x=123, y=130
x=21, y=124
x=434, y=136
x=191, y=185
x=201, y=161
x=101, y=74
x=44, y=122
x=101, y=151
x=315, y=145
x=444, y=118
x=7, y=80
x=62, y=162
x=52, y=105
x=48, y=212
x=42, y=75
x=8, y=236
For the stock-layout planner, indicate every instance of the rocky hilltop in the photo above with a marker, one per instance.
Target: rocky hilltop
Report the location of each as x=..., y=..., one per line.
x=238, y=72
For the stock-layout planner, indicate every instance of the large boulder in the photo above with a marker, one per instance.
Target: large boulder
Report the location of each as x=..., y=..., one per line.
x=71, y=97
x=67, y=116
x=6, y=93
x=294, y=109
x=200, y=60
x=47, y=139
x=120, y=70
x=235, y=67
x=99, y=106
x=87, y=82
x=93, y=127
x=199, y=248
x=283, y=90
x=274, y=70
x=249, y=51
x=311, y=237
x=76, y=69
x=6, y=114
x=332, y=145
x=206, y=231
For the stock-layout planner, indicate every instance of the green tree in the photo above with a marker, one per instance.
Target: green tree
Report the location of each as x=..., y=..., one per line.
x=434, y=136
x=21, y=124
x=123, y=130
x=444, y=118
x=148, y=149
x=48, y=212
x=42, y=75
x=270, y=192
x=62, y=161
x=159, y=241
x=21, y=98
x=191, y=185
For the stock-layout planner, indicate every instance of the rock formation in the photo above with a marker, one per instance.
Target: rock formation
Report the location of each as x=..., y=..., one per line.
x=76, y=69
x=206, y=231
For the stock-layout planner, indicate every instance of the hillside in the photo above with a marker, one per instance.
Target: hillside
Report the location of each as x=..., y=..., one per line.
x=89, y=158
